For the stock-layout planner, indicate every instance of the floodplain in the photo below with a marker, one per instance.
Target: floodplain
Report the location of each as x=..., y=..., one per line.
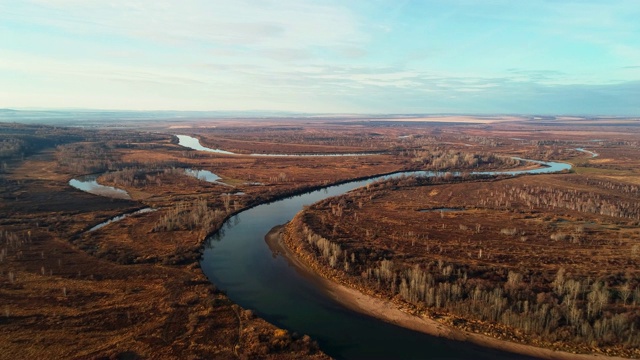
x=548, y=260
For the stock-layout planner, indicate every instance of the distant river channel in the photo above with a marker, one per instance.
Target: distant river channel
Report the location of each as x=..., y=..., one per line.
x=192, y=143
x=237, y=260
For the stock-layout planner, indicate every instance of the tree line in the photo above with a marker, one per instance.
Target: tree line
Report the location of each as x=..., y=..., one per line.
x=572, y=310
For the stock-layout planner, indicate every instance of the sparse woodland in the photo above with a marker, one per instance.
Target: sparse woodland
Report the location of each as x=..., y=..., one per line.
x=538, y=197
x=143, y=175
x=450, y=266
x=103, y=153
x=441, y=160
x=197, y=215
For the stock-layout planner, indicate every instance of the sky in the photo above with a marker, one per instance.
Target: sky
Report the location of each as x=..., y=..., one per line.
x=579, y=57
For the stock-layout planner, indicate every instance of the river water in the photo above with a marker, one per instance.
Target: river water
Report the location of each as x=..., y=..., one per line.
x=592, y=153
x=89, y=183
x=238, y=261
x=192, y=143
x=120, y=217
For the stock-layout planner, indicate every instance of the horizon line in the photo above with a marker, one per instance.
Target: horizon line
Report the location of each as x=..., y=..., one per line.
x=289, y=113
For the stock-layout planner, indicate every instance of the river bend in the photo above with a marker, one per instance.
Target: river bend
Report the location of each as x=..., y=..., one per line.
x=237, y=260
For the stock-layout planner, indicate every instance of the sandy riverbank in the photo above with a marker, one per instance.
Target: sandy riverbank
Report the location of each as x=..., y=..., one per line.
x=387, y=311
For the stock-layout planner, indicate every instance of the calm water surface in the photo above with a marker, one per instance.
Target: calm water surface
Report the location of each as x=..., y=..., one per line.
x=193, y=143
x=204, y=175
x=89, y=184
x=237, y=260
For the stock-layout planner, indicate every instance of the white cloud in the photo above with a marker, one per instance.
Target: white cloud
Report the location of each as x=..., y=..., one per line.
x=304, y=55
x=272, y=23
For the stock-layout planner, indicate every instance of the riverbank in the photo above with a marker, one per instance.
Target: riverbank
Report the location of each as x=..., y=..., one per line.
x=388, y=311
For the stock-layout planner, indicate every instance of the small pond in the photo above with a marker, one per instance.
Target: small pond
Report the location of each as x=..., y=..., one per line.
x=89, y=183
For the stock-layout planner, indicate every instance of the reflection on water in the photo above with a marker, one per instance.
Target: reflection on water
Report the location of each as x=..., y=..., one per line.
x=204, y=175
x=238, y=261
x=193, y=143
x=89, y=184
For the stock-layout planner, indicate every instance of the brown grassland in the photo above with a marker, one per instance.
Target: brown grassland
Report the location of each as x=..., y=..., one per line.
x=567, y=245
x=547, y=260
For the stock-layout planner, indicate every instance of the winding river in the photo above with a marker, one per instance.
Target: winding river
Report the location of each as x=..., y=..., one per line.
x=238, y=261
x=192, y=143
x=592, y=153
x=121, y=217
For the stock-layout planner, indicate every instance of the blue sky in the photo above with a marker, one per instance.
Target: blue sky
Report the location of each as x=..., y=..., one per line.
x=375, y=56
